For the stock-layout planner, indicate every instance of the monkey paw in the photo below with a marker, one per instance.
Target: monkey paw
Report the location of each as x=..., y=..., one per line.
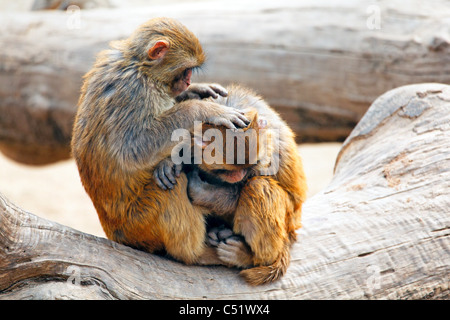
x=234, y=251
x=202, y=91
x=165, y=174
x=230, y=118
x=218, y=234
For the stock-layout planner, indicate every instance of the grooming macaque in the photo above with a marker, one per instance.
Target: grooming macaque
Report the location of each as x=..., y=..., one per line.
x=263, y=209
x=127, y=112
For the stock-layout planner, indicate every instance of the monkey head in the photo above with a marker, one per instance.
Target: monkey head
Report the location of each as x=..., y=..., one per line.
x=167, y=53
x=228, y=155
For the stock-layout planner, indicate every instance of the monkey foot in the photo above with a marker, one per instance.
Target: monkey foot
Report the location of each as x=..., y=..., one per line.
x=219, y=234
x=235, y=252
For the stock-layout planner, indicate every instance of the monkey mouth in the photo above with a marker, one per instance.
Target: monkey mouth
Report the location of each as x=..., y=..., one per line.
x=221, y=176
x=233, y=176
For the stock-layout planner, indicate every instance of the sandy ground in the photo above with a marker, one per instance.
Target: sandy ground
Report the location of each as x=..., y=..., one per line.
x=55, y=192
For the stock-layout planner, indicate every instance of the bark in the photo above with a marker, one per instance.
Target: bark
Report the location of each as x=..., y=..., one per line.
x=320, y=64
x=381, y=229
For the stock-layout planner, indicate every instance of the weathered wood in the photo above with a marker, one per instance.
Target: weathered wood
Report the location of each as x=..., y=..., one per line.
x=381, y=229
x=320, y=63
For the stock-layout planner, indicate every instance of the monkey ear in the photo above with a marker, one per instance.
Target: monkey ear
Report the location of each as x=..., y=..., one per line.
x=255, y=121
x=252, y=115
x=158, y=50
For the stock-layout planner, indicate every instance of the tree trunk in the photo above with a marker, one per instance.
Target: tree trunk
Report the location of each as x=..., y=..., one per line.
x=381, y=229
x=320, y=64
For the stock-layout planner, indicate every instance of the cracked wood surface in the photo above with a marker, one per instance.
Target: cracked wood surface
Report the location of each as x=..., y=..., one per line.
x=381, y=229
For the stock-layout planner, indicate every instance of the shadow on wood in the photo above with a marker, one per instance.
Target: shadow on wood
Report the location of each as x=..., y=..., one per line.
x=381, y=229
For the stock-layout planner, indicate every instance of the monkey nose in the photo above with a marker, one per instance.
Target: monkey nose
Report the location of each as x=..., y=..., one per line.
x=187, y=77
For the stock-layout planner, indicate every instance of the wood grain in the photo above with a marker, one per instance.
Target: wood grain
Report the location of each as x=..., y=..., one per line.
x=380, y=230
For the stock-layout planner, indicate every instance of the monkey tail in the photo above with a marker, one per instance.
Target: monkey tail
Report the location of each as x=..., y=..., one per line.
x=266, y=274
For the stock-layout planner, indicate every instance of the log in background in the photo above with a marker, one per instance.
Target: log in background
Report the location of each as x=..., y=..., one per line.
x=319, y=63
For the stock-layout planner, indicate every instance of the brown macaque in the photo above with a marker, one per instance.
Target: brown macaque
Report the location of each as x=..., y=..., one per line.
x=126, y=114
x=263, y=207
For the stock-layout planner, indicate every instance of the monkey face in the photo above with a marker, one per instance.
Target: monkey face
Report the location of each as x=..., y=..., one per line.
x=181, y=82
x=232, y=159
x=231, y=176
x=228, y=172
x=168, y=52
x=232, y=169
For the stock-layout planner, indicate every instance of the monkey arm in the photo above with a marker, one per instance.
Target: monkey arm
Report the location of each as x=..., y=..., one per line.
x=143, y=145
x=219, y=199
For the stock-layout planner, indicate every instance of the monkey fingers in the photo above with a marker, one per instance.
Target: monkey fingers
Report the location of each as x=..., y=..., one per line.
x=231, y=119
x=188, y=95
x=207, y=90
x=210, y=90
x=235, y=252
x=218, y=234
x=217, y=88
x=165, y=174
x=178, y=168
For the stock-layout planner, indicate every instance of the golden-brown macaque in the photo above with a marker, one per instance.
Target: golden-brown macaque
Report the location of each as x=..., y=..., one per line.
x=264, y=210
x=126, y=114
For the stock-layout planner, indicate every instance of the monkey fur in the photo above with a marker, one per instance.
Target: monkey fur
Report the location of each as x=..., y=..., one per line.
x=126, y=114
x=264, y=210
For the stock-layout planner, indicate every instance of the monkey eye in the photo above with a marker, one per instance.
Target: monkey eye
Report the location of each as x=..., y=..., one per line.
x=185, y=73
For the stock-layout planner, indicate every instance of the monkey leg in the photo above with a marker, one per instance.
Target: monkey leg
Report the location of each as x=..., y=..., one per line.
x=183, y=228
x=166, y=220
x=181, y=225
x=261, y=219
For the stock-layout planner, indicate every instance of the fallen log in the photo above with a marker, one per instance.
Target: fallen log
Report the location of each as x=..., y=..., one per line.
x=320, y=64
x=380, y=230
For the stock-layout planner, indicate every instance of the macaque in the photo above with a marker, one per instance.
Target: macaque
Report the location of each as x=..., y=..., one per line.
x=262, y=206
x=126, y=114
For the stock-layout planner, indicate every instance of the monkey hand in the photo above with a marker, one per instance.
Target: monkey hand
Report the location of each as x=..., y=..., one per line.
x=218, y=234
x=202, y=91
x=228, y=117
x=234, y=251
x=165, y=173
x=231, y=248
x=197, y=188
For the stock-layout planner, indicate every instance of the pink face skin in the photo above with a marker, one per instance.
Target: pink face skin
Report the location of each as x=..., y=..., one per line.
x=233, y=176
x=181, y=83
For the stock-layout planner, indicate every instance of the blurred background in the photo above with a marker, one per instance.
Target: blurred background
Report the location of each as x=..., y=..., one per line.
x=319, y=63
